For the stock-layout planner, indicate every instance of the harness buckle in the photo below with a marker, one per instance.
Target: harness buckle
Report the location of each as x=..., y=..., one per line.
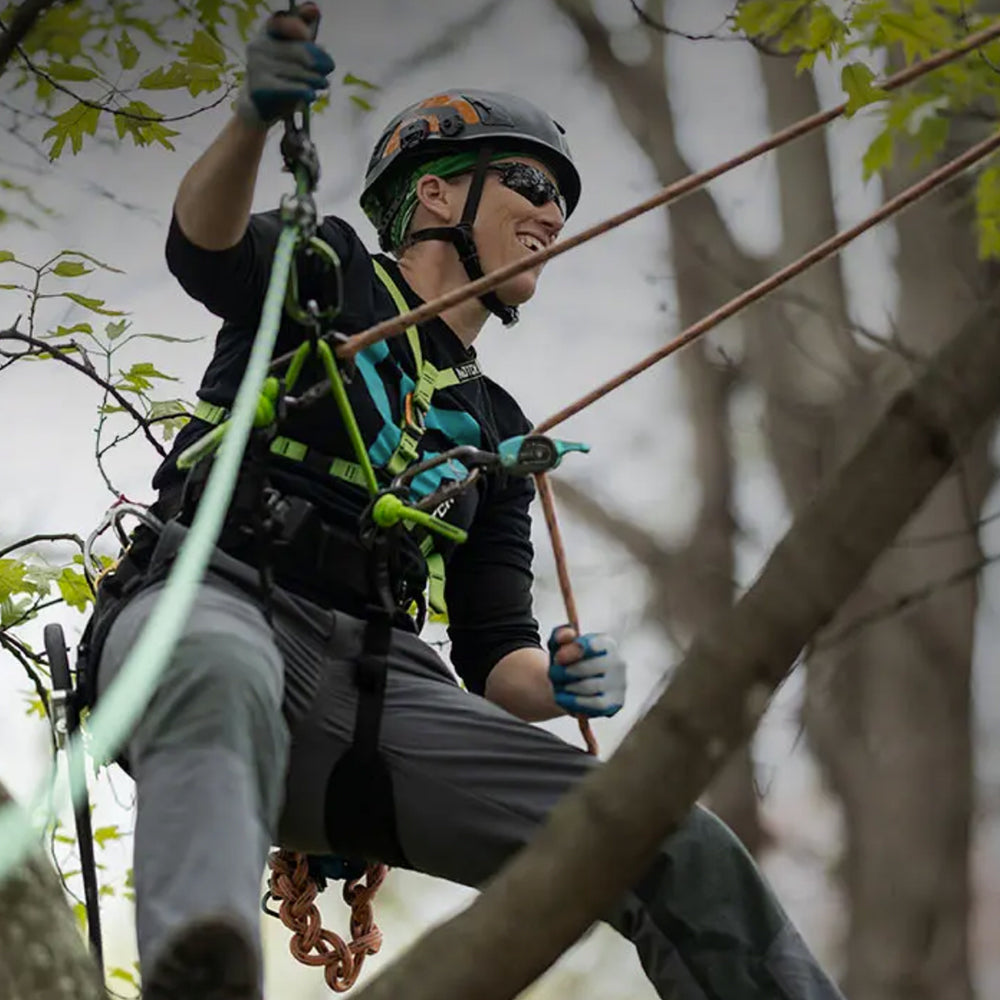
x=413, y=414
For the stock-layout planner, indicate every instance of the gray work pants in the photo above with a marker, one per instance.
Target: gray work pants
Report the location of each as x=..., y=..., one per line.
x=235, y=750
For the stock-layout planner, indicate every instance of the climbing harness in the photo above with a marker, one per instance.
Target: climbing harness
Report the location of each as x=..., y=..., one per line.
x=259, y=403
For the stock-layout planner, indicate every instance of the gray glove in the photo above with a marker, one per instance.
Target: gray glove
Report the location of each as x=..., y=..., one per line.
x=283, y=69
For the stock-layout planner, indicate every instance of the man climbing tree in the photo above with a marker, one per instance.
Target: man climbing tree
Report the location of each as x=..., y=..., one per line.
x=300, y=706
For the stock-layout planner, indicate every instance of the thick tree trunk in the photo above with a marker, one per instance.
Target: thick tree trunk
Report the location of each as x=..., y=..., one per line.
x=42, y=955
x=600, y=838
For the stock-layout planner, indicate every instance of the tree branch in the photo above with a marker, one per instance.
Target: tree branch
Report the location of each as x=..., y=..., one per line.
x=42, y=954
x=600, y=838
x=41, y=345
x=20, y=25
x=21, y=654
x=31, y=539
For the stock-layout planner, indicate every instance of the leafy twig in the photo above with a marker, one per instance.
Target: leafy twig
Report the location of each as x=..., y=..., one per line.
x=130, y=115
x=23, y=656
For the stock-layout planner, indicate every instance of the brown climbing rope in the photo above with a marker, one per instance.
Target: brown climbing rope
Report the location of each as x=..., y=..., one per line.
x=671, y=193
x=291, y=884
x=565, y=587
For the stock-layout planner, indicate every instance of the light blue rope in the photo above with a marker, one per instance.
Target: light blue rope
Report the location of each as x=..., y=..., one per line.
x=121, y=705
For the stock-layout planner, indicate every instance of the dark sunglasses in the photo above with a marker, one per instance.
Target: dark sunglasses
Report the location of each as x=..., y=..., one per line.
x=530, y=183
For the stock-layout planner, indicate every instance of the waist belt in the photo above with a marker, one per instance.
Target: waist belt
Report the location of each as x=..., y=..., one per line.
x=310, y=556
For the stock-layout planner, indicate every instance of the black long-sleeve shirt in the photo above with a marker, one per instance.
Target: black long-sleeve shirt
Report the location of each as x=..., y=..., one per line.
x=488, y=580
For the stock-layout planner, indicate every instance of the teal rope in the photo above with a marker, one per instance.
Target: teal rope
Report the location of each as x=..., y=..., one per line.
x=120, y=706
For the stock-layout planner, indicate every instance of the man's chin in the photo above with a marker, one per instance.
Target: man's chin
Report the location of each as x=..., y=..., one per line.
x=518, y=291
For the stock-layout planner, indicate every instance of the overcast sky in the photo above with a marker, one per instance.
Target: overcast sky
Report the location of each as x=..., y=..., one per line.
x=598, y=309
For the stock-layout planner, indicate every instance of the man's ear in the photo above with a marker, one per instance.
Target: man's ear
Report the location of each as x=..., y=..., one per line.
x=439, y=198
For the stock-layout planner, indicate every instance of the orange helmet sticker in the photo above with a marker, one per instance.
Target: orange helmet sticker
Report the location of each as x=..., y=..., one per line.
x=467, y=112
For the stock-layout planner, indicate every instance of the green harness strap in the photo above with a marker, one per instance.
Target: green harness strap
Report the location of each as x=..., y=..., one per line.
x=429, y=380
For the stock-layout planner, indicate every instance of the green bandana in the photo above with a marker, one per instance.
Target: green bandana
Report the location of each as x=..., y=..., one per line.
x=391, y=211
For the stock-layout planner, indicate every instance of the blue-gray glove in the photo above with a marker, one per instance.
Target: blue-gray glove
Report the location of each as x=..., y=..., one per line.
x=283, y=68
x=587, y=672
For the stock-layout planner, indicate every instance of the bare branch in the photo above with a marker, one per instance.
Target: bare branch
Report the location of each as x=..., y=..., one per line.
x=33, y=539
x=664, y=29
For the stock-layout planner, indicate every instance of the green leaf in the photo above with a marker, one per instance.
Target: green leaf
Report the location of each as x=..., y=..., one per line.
x=140, y=121
x=919, y=34
x=128, y=54
x=987, y=201
x=94, y=305
x=124, y=975
x=115, y=330
x=80, y=912
x=93, y=260
x=362, y=103
x=74, y=589
x=12, y=574
x=104, y=834
x=66, y=71
x=170, y=415
x=6, y=255
x=68, y=331
x=72, y=125
x=166, y=77
x=166, y=338
x=857, y=80
x=350, y=80
x=146, y=369
x=13, y=612
x=203, y=50
x=71, y=269
x=879, y=154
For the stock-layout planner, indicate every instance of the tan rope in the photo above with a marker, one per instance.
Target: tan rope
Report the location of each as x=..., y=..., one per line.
x=827, y=248
x=565, y=586
x=295, y=889
x=672, y=192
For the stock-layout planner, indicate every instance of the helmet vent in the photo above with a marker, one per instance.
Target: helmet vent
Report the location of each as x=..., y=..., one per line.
x=489, y=114
x=413, y=133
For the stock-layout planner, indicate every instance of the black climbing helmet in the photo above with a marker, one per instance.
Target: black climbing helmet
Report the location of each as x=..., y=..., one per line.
x=458, y=121
x=463, y=121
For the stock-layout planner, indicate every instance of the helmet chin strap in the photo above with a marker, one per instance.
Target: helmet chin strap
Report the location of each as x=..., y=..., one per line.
x=461, y=237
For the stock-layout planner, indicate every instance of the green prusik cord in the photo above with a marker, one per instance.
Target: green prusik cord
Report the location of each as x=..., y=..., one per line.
x=347, y=415
x=123, y=702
